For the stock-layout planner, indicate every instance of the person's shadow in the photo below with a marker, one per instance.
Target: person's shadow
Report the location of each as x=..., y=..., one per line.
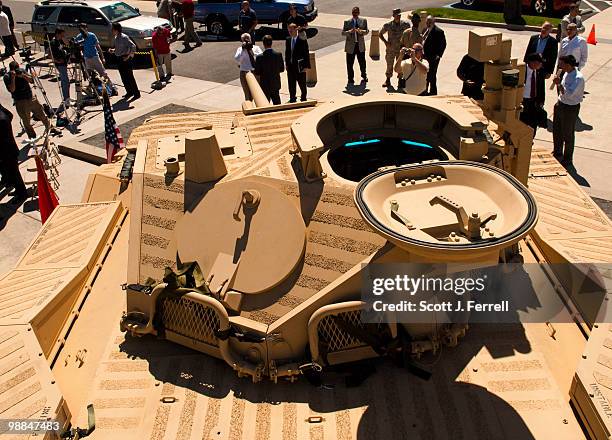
x=582, y=126
x=580, y=180
x=356, y=89
x=121, y=105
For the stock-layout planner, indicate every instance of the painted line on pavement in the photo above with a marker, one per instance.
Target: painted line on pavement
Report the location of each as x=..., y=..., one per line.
x=592, y=6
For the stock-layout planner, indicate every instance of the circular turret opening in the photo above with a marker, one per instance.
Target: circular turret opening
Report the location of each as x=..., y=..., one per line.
x=355, y=160
x=447, y=211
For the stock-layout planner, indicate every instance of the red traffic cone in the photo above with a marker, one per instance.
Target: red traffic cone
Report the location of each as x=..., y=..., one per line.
x=47, y=200
x=591, y=38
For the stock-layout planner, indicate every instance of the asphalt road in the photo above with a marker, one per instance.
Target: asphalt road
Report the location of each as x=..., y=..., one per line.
x=213, y=61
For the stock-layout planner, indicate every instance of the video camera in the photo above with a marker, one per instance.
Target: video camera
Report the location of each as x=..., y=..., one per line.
x=247, y=46
x=75, y=51
x=26, y=54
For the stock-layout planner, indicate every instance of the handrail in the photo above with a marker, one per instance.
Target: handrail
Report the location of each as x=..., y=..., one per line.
x=318, y=315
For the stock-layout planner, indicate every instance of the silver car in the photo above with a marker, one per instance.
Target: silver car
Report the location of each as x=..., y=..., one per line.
x=99, y=16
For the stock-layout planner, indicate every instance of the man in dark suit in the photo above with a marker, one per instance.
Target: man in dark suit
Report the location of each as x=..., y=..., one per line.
x=533, y=113
x=297, y=60
x=9, y=154
x=268, y=67
x=355, y=29
x=545, y=45
x=434, y=45
x=471, y=72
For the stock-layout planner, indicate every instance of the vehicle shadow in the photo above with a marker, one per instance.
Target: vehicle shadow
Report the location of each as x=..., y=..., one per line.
x=395, y=401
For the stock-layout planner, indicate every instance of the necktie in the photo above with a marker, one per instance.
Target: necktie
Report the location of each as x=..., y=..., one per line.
x=292, y=43
x=355, y=25
x=533, y=84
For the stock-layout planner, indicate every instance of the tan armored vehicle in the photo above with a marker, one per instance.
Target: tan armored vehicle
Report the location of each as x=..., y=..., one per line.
x=209, y=286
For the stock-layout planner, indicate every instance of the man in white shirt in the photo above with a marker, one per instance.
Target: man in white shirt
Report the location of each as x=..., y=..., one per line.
x=245, y=57
x=413, y=69
x=6, y=35
x=574, y=45
x=571, y=93
x=573, y=17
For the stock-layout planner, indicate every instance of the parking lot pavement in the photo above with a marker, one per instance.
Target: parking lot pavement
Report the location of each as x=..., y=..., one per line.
x=214, y=61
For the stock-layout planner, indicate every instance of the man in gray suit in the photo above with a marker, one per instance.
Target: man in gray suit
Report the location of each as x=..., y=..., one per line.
x=354, y=30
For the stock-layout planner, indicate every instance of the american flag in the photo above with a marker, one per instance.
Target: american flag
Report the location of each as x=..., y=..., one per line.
x=114, y=141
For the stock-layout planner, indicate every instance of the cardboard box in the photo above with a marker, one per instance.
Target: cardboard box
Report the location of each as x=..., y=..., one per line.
x=493, y=74
x=485, y=44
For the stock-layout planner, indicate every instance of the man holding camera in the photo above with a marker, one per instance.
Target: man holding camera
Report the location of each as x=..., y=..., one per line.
x=92, y=53
x=18, y=84
x=354, y=30
x=60, y=59
x=245, y=57
x=124, y=51
x=413, y=68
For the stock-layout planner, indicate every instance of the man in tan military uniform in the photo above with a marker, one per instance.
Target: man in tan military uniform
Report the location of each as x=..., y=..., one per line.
x=394, y=29
x=412, y=35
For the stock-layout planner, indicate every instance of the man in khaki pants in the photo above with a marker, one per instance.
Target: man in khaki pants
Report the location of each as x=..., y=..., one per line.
x=394, y=30
x=18, y=84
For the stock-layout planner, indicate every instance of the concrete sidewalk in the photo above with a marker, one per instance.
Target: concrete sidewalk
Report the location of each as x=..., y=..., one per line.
x=593, y=156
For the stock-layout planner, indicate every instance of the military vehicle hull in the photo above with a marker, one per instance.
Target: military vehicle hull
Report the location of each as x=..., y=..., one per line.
x=231, y=363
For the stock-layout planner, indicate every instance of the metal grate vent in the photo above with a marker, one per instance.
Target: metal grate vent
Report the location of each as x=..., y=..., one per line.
x=190, y=319
x=336, y=338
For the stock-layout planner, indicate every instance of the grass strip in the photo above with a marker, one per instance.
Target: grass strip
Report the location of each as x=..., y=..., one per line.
x=493, y=17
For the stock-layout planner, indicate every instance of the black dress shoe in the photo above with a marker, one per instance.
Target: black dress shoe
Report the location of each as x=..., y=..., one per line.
x=135, y=97
x=127, y=96
x=364, y=79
